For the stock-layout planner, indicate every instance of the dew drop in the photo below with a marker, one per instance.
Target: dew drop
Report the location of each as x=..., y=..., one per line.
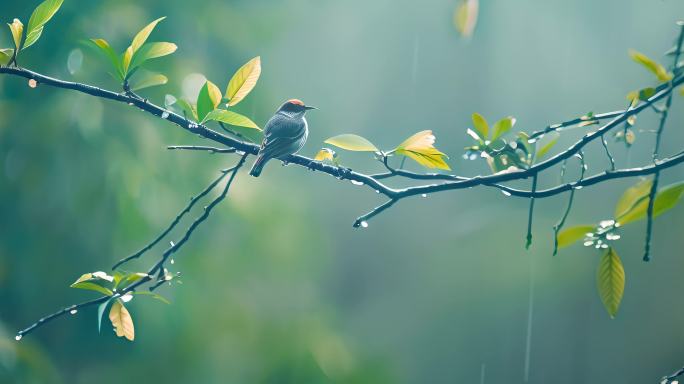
x=17, y=337
x=73, y=311
x=364, y=224
x=165, y=115
x=505, y=193
x=32, y=83
x=356, y=182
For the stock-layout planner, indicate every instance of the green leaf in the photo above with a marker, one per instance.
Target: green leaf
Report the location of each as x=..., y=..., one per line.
x=420, y=147
x=481, y=126
x=17, y=29
x=465, y=17
x=150, y=51
x=41, y=15
x=100, y=312
x=231, y=118
x=208, y=99
x=126, y=61
x=122, y=321
x=188, y=109
x=153, y=295
x=131, y=278
x=611, y=281
x=666, y=199
x=149, y=81
x=243, y=81
x=653, y=66
x=6, y=55
x=144, y=33
x=502, y=126
x=95, y=282
x=92, y=286
x=632, y=196
x=352, y=142
x=571, y=235
x=546, y=147
x=104, y=48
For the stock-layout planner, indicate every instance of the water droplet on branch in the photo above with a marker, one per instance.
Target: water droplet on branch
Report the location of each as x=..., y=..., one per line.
x=32, y=83
x=356, y=182
x=165, y=115
x=423, y=195
x=505, y=193
x=17, y=337
x=73, y=311
x=364, y=224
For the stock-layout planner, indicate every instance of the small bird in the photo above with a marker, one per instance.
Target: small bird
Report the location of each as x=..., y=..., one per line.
x=284, y=134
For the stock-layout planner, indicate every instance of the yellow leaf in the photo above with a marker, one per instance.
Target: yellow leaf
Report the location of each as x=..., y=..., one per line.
x=352, y=142
x=632, y=196
x=325, y=154
x=420, y=147
x=573, y=234
x=243, y=81
x=144, y=33
x=126, y=60
x=122, y=321
x=465, y=17
x=656, y=68
x=481, y=126
x=611, y=281
x=17, y=29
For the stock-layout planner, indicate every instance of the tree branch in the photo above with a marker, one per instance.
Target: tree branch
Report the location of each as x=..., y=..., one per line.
x=158, y=267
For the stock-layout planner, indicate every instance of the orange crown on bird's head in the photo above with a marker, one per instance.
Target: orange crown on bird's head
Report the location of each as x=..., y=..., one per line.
x=296, y=102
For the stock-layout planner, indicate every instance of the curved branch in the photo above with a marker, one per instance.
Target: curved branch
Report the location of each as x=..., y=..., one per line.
x=157, y=268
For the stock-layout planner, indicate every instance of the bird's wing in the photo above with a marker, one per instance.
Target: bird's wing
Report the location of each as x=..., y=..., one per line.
x=283, y=136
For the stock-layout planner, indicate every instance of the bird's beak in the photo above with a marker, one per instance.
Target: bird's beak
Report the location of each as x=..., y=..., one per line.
x=309, y=107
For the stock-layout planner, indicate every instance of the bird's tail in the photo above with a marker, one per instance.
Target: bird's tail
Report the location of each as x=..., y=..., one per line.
x=258, y=165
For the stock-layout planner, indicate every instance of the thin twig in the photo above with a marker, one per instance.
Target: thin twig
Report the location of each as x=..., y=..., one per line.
x=656, y=149
x=175, y=221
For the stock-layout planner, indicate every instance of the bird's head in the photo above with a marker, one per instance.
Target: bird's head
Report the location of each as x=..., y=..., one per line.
x=294, y=106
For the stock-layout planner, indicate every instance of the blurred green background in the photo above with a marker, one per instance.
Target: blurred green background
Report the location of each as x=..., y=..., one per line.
x=277, y=286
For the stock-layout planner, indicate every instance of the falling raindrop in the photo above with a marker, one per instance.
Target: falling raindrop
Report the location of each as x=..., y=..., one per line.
x=505, y=193
x=364, y=224
x=73, y=311
x=165, y=115
x=356, y=182
x=32, y=83
x=17, y=337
